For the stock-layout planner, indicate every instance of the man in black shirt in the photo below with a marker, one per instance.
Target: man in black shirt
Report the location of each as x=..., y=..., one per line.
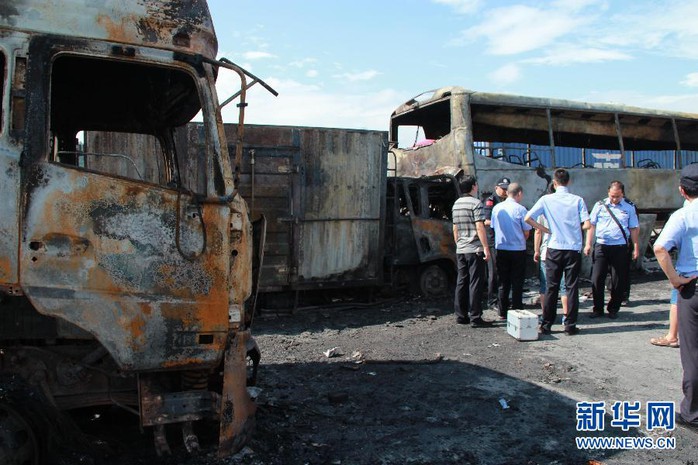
x=499, y=195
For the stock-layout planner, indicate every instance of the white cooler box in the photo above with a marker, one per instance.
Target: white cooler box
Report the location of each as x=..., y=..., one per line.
x=522, y=325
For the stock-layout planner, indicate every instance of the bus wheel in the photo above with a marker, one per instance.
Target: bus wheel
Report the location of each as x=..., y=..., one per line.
x=433, y=281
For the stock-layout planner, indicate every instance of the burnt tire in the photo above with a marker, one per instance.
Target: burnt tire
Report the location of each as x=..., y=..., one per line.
x=434, y=281
x=18, y=442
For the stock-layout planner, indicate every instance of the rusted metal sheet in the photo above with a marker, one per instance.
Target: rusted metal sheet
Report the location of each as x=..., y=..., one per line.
x=236, y=408
x=342, y=206
x=9, y=227
x=184, y=26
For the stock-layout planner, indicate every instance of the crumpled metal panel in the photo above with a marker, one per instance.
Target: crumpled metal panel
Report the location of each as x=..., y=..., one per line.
x=170, y=24
x=104, y=254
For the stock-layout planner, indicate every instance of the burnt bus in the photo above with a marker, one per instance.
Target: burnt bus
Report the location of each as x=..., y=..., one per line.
x=123, y=274
x=456, y=130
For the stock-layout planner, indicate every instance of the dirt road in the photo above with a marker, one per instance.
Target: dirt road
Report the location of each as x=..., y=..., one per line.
x=409, y=386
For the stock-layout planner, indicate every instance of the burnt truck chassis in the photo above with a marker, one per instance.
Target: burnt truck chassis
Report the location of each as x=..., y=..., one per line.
x=119, y=284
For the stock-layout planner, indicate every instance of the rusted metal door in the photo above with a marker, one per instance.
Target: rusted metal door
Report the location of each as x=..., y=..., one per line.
x=120, y=249
x=134, y=264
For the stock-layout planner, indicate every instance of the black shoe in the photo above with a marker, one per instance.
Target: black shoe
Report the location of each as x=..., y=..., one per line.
x=542, y=330
x=686, y=424
x=613, y=315
x=595, y=315
x=462, y=321
x=572, y=331
x=480, y=323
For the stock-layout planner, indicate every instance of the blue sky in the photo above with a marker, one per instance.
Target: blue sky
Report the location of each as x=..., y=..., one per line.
x=349, y=64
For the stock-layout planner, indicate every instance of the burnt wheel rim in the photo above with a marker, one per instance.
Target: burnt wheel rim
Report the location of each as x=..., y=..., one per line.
x=433, y=281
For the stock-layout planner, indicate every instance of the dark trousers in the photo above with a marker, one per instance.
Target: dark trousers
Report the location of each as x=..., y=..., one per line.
x=558, y=262
x=510, y=274
x=626, y=289
x=688, y=336
x=615, y=259
x=492, y=284
x=471, y=273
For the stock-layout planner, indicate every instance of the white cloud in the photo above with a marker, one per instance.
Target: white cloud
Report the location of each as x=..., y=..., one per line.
x=687, y=103
x=257, y=55
x=577, y=5
x=520, y=28
x=303, y=62
x=312, y=73
x=310, y=105
x=566, y=54
x=691, y=80
x=665, y=27
x=506, y=74
x=360, y=76
x=461, y=6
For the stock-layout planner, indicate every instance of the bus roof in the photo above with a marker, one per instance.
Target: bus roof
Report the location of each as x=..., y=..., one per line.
x=183, y=26
x=509, y=100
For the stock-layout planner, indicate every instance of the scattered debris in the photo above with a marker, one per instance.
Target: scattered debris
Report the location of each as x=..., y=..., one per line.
x=333, y=352
x=254, y=391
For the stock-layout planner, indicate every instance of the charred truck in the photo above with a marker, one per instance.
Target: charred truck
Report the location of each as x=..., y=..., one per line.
x=123, y=274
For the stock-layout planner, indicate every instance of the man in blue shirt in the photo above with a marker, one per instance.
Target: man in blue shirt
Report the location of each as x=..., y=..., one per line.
x=681, y=231
x=566, y=215
x=510, y=234
x=613, y=224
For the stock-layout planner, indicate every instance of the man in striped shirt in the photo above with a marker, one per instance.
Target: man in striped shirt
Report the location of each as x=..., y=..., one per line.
x=472, y=254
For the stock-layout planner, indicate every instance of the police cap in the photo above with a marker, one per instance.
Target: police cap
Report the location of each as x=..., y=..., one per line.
x=689, y=177
x=504, y=183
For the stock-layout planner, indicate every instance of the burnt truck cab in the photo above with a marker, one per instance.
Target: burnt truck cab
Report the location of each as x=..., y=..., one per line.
x=128, y=264
x=419, y=235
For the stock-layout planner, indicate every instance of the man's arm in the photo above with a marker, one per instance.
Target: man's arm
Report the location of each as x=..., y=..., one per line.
x=537, y=241
x=455, y=234
x=635, y=237
x=586, y=224
x=536, y=225
x=664, y=260
x=591, y=231
x=482, y=235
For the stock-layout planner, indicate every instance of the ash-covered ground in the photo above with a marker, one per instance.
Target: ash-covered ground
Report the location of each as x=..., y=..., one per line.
x=406, y=385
